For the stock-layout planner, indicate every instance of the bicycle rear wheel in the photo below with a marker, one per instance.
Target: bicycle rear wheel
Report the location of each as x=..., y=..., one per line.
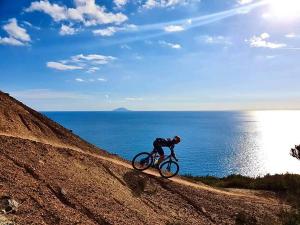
x=142, y=161
x=169, y=169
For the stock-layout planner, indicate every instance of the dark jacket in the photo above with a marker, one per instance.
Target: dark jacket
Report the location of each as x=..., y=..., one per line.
x=165, y=143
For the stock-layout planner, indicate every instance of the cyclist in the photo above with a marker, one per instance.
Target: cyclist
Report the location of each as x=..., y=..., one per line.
x=161, y=142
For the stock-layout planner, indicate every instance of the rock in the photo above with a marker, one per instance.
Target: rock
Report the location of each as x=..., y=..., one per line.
x=8, y=205
x=63, y=192
x=203, y=210
x=5, y=221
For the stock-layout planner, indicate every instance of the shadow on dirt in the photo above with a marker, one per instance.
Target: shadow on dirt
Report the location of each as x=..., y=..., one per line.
x=139, y=183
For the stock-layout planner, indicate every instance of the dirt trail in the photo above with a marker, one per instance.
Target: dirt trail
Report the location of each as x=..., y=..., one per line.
x=61, y=179
x=148, y=171
x=19, y=121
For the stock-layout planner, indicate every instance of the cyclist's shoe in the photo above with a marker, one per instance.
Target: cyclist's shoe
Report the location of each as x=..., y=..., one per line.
x=156, y=166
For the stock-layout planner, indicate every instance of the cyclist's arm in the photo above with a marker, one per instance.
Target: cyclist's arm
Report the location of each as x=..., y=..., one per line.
x=172, y=150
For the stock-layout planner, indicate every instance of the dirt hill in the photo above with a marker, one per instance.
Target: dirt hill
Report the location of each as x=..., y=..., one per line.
x=58, y=178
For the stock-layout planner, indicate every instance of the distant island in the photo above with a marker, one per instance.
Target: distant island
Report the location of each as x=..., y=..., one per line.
x=121, y=109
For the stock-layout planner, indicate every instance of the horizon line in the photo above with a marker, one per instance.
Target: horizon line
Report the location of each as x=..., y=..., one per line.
x=204, y=110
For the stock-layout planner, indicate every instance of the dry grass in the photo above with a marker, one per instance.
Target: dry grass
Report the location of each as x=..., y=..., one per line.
x=287, y=186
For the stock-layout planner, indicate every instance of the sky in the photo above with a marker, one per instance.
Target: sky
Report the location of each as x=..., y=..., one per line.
x=91, y=55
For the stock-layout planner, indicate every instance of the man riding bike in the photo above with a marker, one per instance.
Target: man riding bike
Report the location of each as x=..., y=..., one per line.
x=161, y=142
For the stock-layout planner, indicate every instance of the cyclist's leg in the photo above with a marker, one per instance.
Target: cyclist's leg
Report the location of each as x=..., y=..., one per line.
x=158, y=149
x=161, y=154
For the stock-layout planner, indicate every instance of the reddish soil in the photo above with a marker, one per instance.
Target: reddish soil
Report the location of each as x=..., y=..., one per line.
x=58, y=178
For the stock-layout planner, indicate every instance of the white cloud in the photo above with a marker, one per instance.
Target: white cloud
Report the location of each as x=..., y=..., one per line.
x=10, y=41
x=189, y=21
x=291, y=35
x=17, y=35
x=173, y=28
x=67, y=30
x=149, y=4
x=92, y=69
x=15, y=31
x=86, y=62
x=261, y=42
x=79, y=80
x=265, y=35
x=85, y=11
x=271, y=56
x=214, y=40
x=27, y=23
x=125, y=46
x=129, y=27
x=171, y=45
x=90, y=80
x=109, y=31
x=244, y=2
x=134, y=99
x=30, y=25
x=137, y=56
x=93, y=58
x=62, y=66
x=57, y=12
x=120, y=3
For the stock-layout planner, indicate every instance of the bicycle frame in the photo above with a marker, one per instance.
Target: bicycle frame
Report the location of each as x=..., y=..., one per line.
x=150, y=159
x=155, y=155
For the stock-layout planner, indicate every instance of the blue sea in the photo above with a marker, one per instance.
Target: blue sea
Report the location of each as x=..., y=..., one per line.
x=250, y=143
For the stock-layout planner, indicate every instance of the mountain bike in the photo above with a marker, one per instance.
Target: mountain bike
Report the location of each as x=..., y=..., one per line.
x=167, y=168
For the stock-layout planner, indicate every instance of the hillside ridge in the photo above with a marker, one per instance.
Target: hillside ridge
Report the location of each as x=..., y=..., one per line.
x=58, y=178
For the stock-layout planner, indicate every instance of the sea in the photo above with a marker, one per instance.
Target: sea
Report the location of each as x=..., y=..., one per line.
x=251, y=143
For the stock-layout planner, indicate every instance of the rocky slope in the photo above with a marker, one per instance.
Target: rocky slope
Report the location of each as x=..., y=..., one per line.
x=58, y=178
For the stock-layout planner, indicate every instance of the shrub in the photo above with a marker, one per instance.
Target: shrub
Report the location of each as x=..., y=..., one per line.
x=290, y=217
x=287, y=185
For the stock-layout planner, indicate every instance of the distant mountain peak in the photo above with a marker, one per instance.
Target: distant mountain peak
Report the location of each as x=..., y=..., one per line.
x=121, y=109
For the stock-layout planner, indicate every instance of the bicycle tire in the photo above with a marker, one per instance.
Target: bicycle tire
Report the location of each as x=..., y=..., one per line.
x=139, y=154
x=174, y=174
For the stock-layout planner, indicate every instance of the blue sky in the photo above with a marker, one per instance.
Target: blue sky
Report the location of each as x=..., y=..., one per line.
x=151, y=54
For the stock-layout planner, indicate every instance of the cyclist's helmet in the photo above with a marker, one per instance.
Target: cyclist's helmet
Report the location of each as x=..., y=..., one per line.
x=177, y=139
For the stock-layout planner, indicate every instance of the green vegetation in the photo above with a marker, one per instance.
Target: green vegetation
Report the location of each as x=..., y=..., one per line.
x=295, y=152
x=290, y=217
x=285, y=185
x=244, y=219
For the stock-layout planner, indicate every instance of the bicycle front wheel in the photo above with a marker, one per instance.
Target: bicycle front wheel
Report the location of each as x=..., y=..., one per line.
x=169, y=169
x=142, y=161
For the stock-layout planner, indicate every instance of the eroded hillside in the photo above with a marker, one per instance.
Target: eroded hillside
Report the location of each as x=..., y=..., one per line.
x=59, y=178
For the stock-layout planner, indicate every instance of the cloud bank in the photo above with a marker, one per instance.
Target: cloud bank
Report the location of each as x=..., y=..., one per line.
x=86, y=12
x=17, y=35
x=81, y=62
x=261, y=41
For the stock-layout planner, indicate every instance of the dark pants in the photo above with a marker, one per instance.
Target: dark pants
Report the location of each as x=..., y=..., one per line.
x=157, y=148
